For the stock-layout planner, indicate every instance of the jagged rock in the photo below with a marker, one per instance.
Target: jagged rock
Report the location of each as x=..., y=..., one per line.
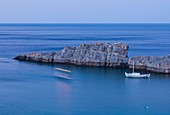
x=101, y=54
x=94, y=54
x=150, y=63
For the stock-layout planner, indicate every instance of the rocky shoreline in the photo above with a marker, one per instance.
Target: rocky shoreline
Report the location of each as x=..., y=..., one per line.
x=100, y=54
x=158, y=64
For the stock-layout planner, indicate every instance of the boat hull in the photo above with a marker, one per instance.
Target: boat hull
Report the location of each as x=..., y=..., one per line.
x=137, y=75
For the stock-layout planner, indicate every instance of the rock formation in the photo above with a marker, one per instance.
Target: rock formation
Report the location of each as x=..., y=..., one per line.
x=101, y=54
x=94, y=54
x=150, y=63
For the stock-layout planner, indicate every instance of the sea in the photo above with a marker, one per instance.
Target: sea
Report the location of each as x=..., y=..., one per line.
x=35, y=89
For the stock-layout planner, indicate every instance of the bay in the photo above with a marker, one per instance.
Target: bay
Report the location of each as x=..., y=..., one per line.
x=33, y=88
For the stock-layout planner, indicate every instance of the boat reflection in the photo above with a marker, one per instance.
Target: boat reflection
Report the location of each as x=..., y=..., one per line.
x=64, y=95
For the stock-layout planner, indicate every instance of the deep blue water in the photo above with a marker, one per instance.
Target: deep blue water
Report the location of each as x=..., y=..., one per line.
x=33, y=89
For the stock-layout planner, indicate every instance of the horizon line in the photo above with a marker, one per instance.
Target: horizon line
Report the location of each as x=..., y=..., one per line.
x=87, y=23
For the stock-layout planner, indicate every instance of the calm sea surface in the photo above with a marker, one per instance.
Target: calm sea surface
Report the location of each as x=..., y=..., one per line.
x=33, y=89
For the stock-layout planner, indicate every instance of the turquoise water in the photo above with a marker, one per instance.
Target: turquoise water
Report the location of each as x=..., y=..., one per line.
x=33, y=89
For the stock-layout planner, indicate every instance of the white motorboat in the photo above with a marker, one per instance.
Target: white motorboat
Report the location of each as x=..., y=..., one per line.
x=136, y=75
x=64, y=70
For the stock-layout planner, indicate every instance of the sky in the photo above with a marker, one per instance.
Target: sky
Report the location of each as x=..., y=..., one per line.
x=84, y=11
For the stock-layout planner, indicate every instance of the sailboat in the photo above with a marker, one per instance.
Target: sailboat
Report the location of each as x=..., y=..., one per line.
x=136, y=75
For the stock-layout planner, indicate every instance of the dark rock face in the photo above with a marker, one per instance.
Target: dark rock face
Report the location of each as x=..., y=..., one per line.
x=94, y=54
x=150, y=63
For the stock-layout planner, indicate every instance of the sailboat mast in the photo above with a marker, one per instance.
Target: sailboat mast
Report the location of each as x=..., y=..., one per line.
x=133, y=66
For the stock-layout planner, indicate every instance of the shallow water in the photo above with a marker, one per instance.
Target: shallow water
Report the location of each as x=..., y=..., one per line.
x=33, y=88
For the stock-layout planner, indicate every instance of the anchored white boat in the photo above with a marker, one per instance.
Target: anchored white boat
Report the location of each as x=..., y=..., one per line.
x=136, y=75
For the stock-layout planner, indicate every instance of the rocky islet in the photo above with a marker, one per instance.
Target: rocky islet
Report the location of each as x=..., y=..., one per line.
x=101, y=54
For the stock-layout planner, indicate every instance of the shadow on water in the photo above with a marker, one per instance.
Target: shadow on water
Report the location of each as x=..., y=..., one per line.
x=78, y=71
